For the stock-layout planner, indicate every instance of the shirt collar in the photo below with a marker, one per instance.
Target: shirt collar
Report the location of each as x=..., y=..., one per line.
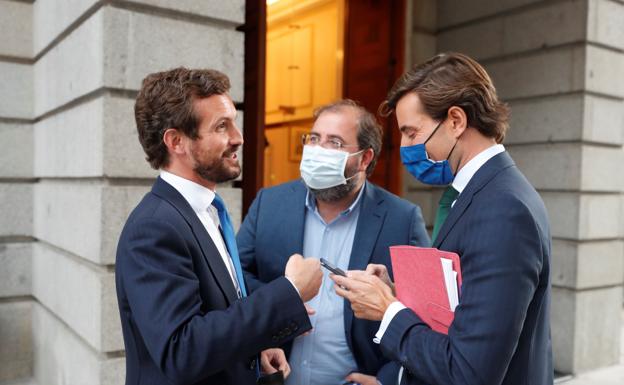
x=467, y=172
x=311, y=202
x=199, y=197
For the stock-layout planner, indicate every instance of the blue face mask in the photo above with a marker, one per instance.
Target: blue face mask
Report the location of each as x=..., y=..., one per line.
x=427, y=171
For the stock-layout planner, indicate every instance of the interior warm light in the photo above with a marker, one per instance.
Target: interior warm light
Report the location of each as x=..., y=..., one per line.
x=269, y=2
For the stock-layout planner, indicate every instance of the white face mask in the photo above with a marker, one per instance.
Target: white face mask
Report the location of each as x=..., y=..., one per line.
x=322, y=168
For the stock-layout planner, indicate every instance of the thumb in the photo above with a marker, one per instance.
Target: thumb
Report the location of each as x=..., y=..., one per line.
x=356, y=377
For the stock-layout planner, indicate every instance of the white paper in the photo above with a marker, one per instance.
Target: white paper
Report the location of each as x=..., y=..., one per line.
x=450, y=281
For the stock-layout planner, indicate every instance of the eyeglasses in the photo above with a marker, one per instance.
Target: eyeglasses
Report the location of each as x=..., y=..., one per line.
x=333, y=143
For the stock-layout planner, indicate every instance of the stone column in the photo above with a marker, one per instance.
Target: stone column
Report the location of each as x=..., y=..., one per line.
x=16, y=190
x=560, y=65
x=72, y=167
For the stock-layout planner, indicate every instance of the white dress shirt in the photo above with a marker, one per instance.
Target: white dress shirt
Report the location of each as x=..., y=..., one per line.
x=200, y=198
x=459, y=183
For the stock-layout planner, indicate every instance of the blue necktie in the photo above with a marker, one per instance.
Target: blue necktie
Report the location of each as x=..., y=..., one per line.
x=230, y=241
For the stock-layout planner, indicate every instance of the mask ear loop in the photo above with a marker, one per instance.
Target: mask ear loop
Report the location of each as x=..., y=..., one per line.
x=354, y=154
x=434, y=131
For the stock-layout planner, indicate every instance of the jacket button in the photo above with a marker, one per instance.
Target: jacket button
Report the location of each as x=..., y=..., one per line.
x=252, y=364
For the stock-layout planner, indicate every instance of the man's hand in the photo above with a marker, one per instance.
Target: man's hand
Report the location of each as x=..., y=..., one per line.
x=381, y=271
x=273, y=360
x=305, y=274
x=369, y=296
x=362, y=379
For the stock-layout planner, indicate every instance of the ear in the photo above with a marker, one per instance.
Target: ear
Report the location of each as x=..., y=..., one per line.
x=458, y=119
x=367, y=157
x=175, y=141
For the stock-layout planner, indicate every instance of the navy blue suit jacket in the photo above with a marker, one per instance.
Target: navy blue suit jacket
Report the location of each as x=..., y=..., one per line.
x=182, y=321
x=273, y=230
x=501, y=332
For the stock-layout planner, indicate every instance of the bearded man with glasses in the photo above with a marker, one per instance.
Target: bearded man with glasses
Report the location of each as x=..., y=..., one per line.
x=332, y=212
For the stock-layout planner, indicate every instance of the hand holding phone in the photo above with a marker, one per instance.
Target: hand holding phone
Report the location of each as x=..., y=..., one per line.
x=332, y=268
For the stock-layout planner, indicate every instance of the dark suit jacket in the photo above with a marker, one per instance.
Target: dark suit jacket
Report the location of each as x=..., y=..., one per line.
x=273, y=230
x=181, y=318
x=501, y=332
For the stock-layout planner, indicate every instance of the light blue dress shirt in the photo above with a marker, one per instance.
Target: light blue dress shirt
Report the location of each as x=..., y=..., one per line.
x=323, y=357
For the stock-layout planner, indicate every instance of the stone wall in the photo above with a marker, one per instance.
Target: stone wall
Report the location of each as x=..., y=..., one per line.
x=560, y=66
x=71, y=168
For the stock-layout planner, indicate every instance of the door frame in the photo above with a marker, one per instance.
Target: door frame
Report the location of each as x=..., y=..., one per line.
x=254, y=100
x=253, y=106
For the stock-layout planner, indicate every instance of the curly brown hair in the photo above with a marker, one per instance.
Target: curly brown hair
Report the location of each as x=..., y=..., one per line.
x=166, y=100
x=453, y=79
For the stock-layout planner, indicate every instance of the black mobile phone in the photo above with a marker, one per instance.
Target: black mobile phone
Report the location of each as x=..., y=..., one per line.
x=332, y=268
x=276, y=378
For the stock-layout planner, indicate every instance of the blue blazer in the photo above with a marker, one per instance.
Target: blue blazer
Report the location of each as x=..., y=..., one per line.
x=501, y=331
x=273, y=231
x=182, y=321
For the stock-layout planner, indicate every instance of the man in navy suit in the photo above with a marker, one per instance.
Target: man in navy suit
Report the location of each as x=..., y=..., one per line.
x=333, y=213
x=452, y=124
x=185, y=313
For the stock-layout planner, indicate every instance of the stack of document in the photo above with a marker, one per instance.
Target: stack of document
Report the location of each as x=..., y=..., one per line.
x=450, y=281
x=428, y=281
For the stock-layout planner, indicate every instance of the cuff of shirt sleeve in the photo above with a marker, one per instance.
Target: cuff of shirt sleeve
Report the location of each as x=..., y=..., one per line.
x=392, y=310
x=293, y=285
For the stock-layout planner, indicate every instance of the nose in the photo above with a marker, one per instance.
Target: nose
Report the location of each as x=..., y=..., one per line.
x=236, y=136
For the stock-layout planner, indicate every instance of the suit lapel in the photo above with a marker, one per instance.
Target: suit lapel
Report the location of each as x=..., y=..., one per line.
x=482, y=177
x=371, y=217
x=293, y=219
x=209, y=250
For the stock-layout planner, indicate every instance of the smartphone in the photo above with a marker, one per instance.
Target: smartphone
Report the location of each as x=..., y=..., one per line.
x=332, y=268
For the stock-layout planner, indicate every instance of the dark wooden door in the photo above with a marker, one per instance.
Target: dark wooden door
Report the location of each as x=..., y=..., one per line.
x=374, y=55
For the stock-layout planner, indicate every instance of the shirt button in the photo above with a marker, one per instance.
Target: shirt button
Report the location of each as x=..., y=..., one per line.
x=305, y=362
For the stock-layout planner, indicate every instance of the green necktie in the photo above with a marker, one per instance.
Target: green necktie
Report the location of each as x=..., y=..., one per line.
x=444, y=206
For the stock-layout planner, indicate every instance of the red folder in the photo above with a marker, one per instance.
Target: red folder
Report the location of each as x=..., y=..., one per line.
x=419, y=283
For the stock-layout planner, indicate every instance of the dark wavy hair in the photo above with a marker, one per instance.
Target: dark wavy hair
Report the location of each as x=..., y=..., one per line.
x=453, y=79
x=166, y=101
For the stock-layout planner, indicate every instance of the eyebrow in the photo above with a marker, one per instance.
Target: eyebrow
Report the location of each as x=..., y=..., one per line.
x=336, y=137
x=407, y=127
x=222, y=119
x=329, y=136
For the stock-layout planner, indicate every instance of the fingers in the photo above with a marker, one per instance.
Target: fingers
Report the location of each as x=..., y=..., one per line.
x=284, y=366
x=279, y=361
x=342, y=292
x=342, y=286
x=375, y=269
x=340, y=280
x=309, y=309
x=265, y=361
x=362, y=379
x=355, y=377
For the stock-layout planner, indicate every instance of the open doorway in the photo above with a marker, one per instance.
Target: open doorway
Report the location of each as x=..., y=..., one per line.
x=301, y=54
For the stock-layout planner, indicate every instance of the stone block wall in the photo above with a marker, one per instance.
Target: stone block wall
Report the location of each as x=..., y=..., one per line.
x=560, y=66
x=72, y=168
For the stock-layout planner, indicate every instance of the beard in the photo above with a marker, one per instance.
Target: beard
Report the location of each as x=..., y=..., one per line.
x=215, y=169
x=339, y=192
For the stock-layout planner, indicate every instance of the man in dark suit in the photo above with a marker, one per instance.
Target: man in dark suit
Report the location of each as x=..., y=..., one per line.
x=185, y=313
x=490, y=215
x=336, y=214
